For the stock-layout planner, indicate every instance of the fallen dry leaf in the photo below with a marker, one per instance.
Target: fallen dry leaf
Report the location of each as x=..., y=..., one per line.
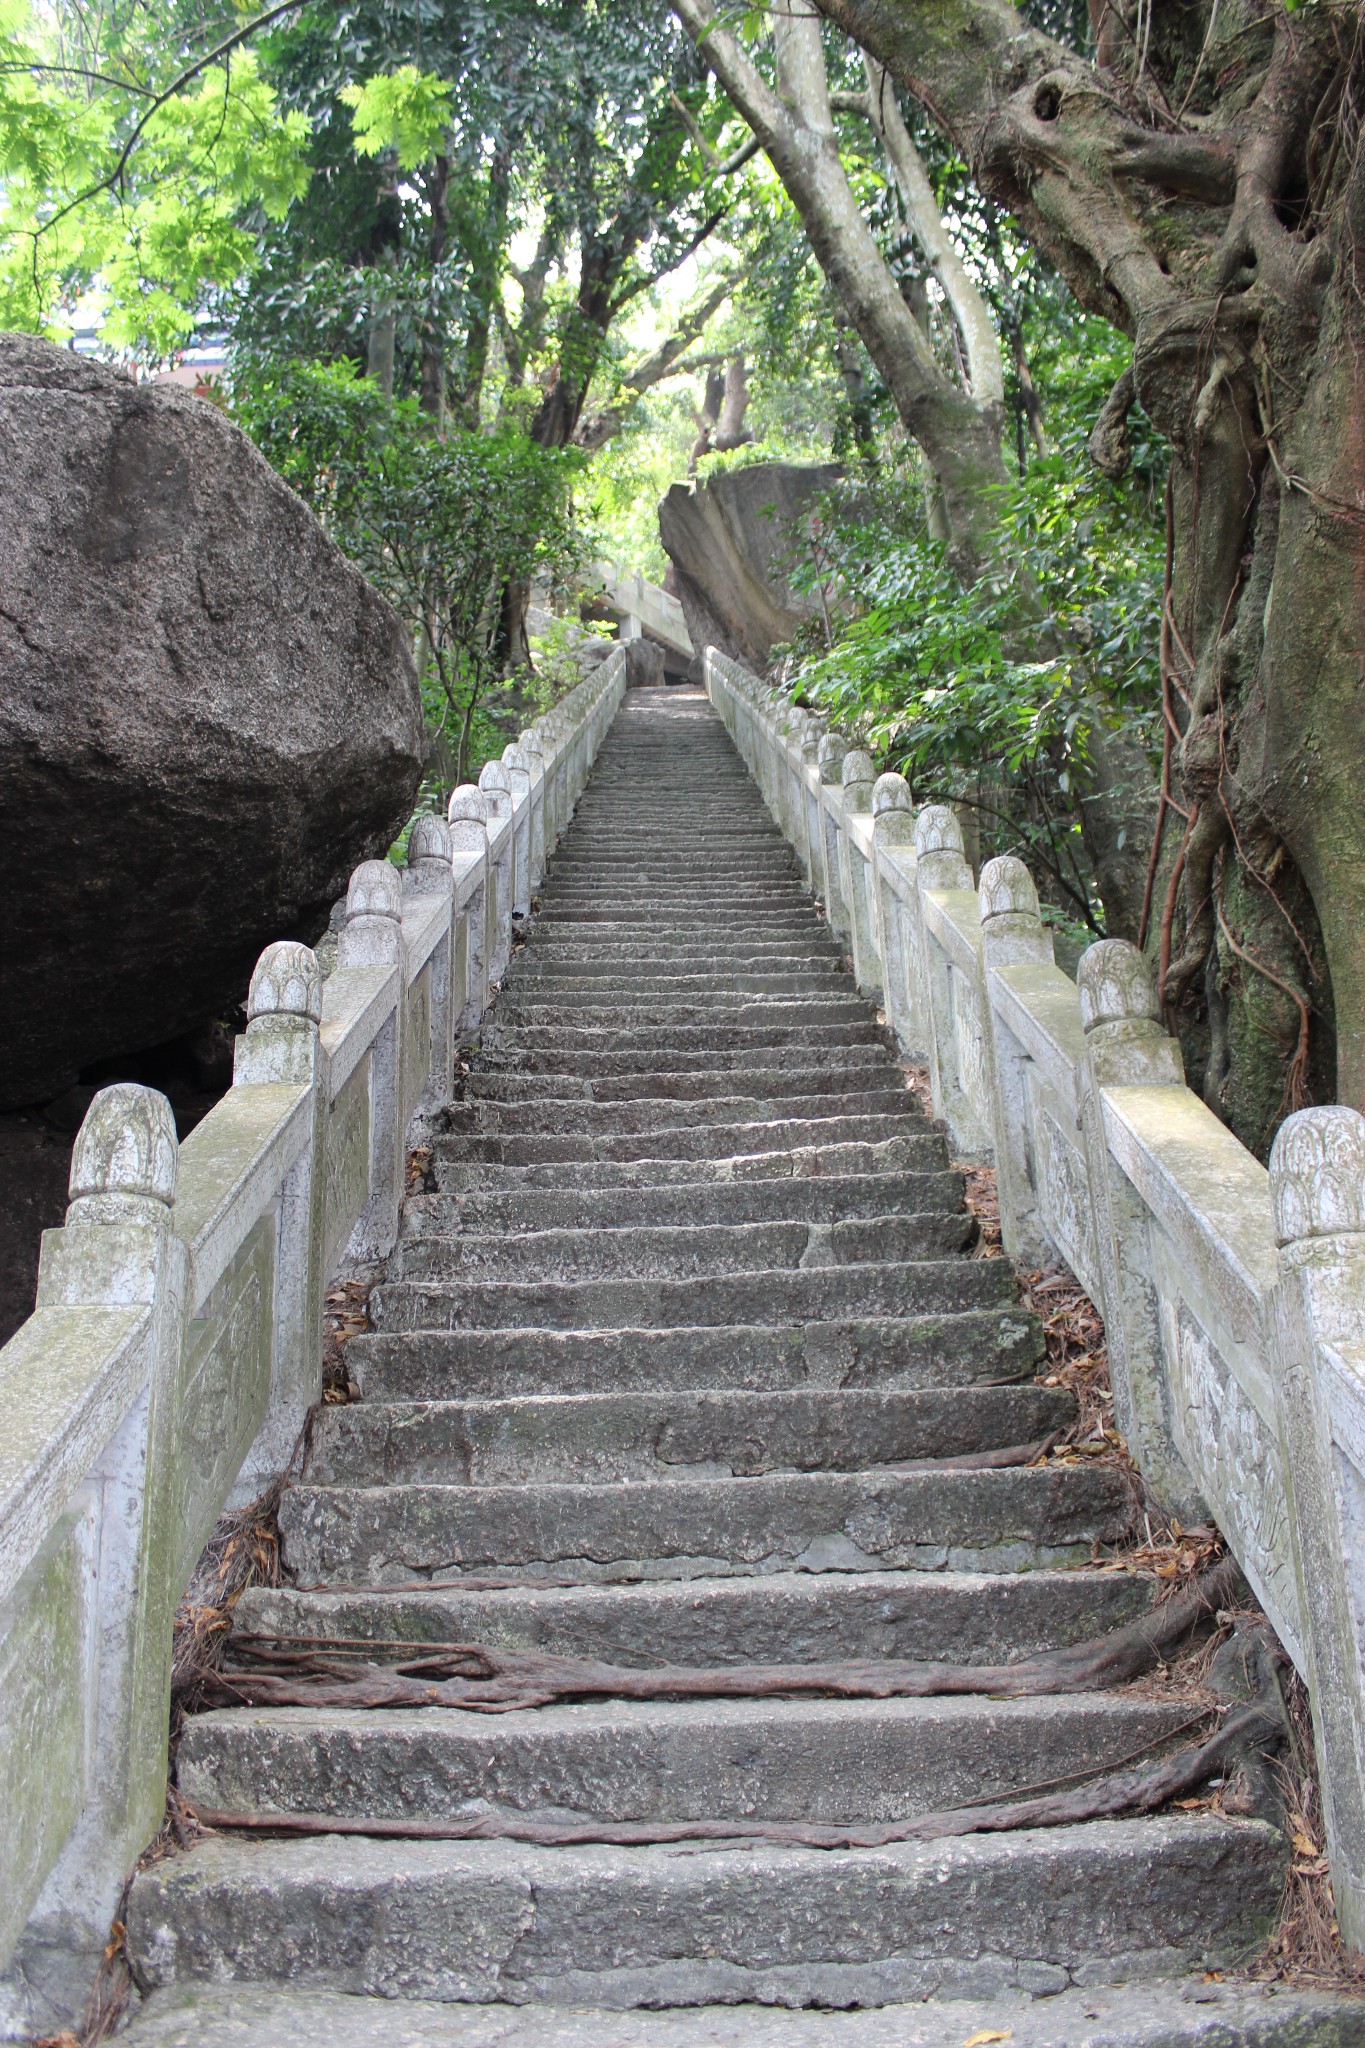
x=988, y=2034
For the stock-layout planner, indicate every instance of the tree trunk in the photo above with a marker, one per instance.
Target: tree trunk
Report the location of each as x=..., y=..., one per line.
x=433, y=341
x=1206, y=193
x=796, y=128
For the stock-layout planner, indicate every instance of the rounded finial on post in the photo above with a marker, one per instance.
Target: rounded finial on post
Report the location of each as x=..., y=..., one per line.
x=1007, y=890
x=429, y=851
x=891, y=793
x=829, y=755
x=1317, y=1175
x=372, y=935
x=287, y=983
x=124, y=1160
x=857, y=773
x=1116, y=986
x=939, y=852
x=496, y=784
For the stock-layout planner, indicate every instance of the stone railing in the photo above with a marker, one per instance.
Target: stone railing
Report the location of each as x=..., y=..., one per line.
x=176, y=1344
x=1233, y=1298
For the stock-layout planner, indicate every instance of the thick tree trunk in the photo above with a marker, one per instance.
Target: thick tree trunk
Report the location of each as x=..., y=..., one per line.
x=433, y=356
x=1207, y=195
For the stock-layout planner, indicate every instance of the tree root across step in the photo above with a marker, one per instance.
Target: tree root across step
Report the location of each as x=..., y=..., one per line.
x=1248, y=1732
x=294, y=1671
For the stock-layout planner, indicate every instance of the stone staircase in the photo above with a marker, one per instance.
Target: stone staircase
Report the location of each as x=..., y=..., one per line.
x=667, y=1369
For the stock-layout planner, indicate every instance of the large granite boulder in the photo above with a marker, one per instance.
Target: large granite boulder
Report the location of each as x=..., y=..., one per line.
x=731, y=542
x=207, y=716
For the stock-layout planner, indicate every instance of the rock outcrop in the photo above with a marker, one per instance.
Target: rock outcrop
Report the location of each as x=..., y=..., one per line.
x=731, y=541
x=207, y=716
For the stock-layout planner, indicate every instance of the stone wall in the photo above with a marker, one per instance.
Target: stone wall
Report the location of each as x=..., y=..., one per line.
x=1233, y=1297
x=176, y=1345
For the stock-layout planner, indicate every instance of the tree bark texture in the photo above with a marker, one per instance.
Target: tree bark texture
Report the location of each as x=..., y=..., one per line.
x=1202, y=186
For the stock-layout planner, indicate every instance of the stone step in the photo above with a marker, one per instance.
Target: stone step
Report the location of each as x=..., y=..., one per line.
x=819, y=1198
x=1009, y=1520
x=786, y=1618
x=809, y=1294
x=976, y=1347
x=654, y=958
x=926, y=1152
x=719, y=1141
x=588, y=1118
x=497, y=1921
x=1198, y=2012
x=668, y=1434
x=821, y=1761
x=677, y=1251
x=581, y=1078
x=764, y=925
x=659, y=982
x=714, y=1013
x=507, y=1041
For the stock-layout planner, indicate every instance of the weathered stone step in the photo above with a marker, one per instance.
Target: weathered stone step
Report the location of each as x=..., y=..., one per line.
x=818, y=1198
x=582, y=1078
x=1196, y=2013
x=678, y=1251
x=588, y=1118
x=767, y=924
x=974, y=1347
x=789, y=1617
x=685, y=1140
x=658, y=981
x=808, y=1294
x=925, y=1152
x=822, y=1761
x=500, y=1922
x=668, y=1434
x=1009, y=1520
x=653, y=957
x=505, y=1040
x=717, y=1012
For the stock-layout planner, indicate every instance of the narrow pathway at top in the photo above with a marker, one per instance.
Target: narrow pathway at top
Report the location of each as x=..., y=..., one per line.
x=668, y=1369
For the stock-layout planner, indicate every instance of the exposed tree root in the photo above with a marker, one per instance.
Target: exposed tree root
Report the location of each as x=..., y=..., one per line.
x=1253, y=1729
x=293, y=1671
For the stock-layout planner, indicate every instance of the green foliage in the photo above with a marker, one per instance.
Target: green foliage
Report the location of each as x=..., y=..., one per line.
x=440, y=526
x=134, y=167
x=404, y=113
x=988, y=694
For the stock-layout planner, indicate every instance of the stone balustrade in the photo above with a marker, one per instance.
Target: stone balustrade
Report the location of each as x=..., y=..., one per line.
x=176, y=1345
x=1233, y=1297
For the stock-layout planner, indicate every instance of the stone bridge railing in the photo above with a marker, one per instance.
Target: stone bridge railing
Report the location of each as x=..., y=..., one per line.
x=1233, y=1298
x=176, y=1344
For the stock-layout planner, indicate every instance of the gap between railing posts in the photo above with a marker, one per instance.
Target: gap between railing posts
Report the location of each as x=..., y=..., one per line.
x=1233, y=1297
x=176, y=1343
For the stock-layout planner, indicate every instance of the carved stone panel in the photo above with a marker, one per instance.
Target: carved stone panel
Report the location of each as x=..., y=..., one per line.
x=1236, y=1463
x=416, y=1041
x=42, y=1719
x=1064, y=1195
x=225, y=1389
x=346, y=1168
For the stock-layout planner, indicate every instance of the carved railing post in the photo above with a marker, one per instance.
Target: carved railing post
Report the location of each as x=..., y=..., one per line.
x=372, y=936
x=893, y=841
x=429, y=874
x=116, y=1251
x=1012, y=935
x=527, y=775
x=468, y=815
x=281, y=1047
x=941, y=864
x=1317, y=1180
x=513, y=899
x=1126, y=1047
x=857, y=774
x=829, y=760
